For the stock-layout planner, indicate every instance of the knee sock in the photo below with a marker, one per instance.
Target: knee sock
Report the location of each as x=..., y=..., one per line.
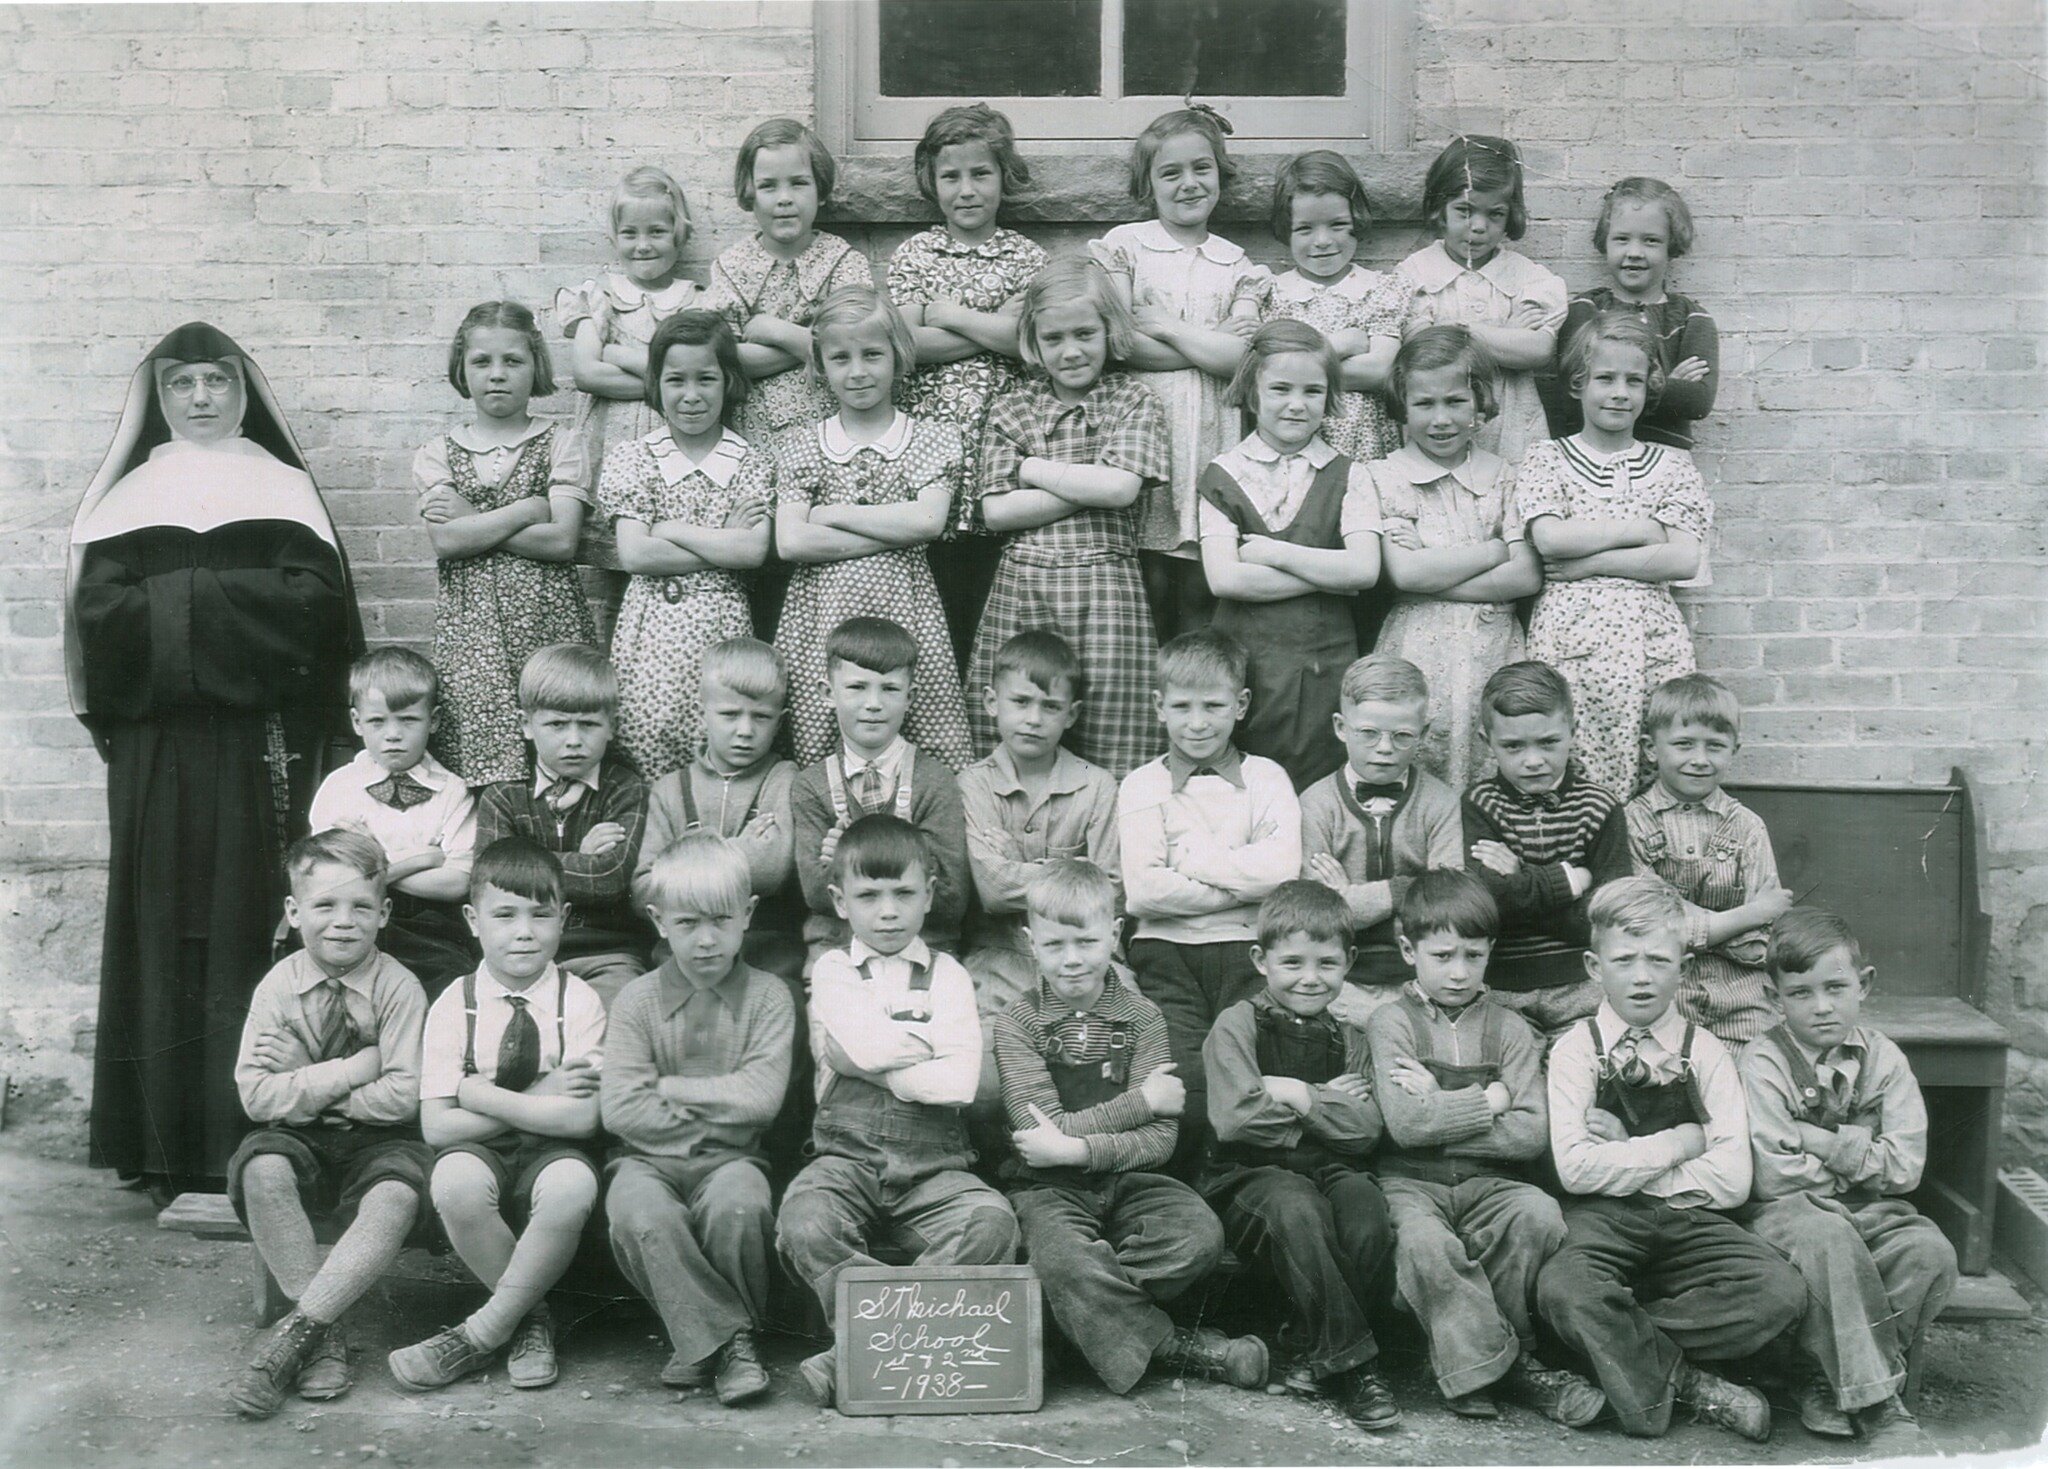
x=278, y=1222
x=563, y=1197
x=364, y=1252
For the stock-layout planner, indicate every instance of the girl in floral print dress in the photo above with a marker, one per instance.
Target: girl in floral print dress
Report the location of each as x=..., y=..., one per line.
x=503, y=498
x=1617, y=523
x=769, y=288
x=858, y=498
x=690, y=506
x=1319, y=210
x=959, y=285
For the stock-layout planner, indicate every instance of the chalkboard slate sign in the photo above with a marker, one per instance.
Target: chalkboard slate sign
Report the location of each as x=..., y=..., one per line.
x=940, y=1339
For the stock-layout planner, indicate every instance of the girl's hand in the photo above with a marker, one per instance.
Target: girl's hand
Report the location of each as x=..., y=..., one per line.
x=625, y=358
x=1692, y=370
x=1529, y=316
x=1412, y=1077
x=1401, y=533
x=441, y=504
x=747, y=514
x=1152, y=315
x=939, y=312
x=1328, y=871
x=1243, y=327
x=1259, y=551
x=1350, y=342
x=602, y=838
x=1566, y=569
x=1495, y=857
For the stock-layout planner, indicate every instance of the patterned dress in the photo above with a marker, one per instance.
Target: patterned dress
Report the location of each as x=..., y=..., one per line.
x=1612, y=638
x=1357, y=424
x=1457, y=645
x=624, y=313
x=1078, y=576
x=498, y=609
x=667, y=622
x=746, y=281
x=1199, y=282
x=820, y=465
x=1448, y=293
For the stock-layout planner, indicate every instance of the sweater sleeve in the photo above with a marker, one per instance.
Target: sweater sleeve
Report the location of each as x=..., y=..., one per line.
x=940, y=817
x=1527, y=895
x=1432, y=1118
x=1240, y=1109
x=1694, y=400
x=1523, y=1131
x=810, y=817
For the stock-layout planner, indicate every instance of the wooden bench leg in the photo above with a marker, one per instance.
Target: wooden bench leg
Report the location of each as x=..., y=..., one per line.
x=271, y=1303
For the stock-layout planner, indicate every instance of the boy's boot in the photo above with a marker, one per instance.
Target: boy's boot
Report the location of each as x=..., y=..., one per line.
x=325, y=1375
x=260, y=1388
x=821, y=1376
x=740, y=1374
x=1818, y=1413
x=1477, y=1403
x=1370, y=1402
x=1561, y=1396
x=1892, y=1431
x=530, y=1360
x=1203, y=1351
x=1719, y=1401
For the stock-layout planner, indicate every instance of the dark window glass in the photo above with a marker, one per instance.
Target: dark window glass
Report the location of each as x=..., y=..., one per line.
x=991, y=48
x=1234, y=48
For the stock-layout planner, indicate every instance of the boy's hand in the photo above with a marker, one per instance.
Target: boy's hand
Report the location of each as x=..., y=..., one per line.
x=603, y=838
x=760, y=824
x=1498, y=1098
x=1495, y=857
x=1165, y=1094
x=279, y=1051
x=1771, y=904
x=1291, y=1093
x=430, y=856
x=1353, y=1084
x=1815, y=1140
x=1605, y=1126
x=1351, y=1007
x=1692, y=370
x=1412, y=1077
x=1692, y=1139
x=576, y=1078
x=828, y=847
x=1045, y=1146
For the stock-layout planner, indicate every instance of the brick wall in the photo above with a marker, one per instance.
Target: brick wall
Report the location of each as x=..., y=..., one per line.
x=334, y=185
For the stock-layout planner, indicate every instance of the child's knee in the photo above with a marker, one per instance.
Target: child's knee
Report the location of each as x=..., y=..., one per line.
x=463, y=1188
x=1535, y=1223
x=988, y=1236
x=269, y=1178
x=810, y=1224
x=565, y=1193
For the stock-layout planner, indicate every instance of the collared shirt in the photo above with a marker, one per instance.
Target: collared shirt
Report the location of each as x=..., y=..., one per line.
x=1885, y=1154
x=1228, y=766
x=1121, y=1133
x=692, y=1070
x=1460, y=1121
x=568, y=463
x=446, y=820
x=924, y=1044
x=1117, y=425
x=582, y=1027
x=366, y=1071
x=1277, y=483
x=1716, y=853
x=1011, y=834
x=1488, y=293
x=1242, y=1111
x=545, y=780
x=1654, y=1166
x=1201, y=855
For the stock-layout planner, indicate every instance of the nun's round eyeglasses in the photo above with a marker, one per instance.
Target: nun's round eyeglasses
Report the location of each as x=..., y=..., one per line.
x=185, y=384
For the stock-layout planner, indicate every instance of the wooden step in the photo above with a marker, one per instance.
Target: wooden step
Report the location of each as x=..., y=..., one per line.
x=1986, y=1297
x=210, y=1216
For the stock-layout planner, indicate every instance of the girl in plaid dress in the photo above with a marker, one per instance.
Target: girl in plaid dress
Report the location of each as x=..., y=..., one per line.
x=858, y=497
x=958, y=285
x=1064, y=463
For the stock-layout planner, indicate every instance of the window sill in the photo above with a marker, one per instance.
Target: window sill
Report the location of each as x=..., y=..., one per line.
x=1091, y=187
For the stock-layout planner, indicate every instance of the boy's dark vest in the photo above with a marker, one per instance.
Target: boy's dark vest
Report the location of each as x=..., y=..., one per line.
x=902, y=1142
x=1813, y=1103
x=1081, y=1085
x=1646, y=1107
x=1309, y=1049
x=1432, y=1164
x=1377, y=959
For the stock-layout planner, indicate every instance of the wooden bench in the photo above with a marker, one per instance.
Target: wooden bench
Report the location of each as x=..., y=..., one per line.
x=1902, y=865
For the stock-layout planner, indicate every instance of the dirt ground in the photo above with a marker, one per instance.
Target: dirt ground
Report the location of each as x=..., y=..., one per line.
x=119, y=1338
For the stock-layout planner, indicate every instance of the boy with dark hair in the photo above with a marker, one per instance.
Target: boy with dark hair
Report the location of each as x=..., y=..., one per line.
x=586, y=804
x=1542, y=837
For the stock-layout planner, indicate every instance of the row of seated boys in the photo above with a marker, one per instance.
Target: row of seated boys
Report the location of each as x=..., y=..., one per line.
x=1701, y=1210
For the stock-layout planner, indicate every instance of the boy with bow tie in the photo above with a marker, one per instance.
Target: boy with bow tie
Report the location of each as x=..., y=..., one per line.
x=418, y=809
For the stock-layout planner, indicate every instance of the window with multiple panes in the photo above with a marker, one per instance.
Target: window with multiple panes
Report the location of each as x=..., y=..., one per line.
x=1283, y=71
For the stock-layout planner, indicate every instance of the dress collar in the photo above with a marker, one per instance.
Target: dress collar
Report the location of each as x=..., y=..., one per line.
x=1315, y=451
x=996, y=247
x=1229, y=766
x=1152, y=235
x=749, y=264
x=1095, y=405
x=838, y=446
x=719, y=466
x=1433, y=268
x=465, y=437
x=628, y=295
x=1476, y=474
x=1355, y=285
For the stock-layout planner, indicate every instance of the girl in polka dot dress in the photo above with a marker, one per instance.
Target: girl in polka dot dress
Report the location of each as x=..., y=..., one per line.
x=858, y=497
x=690, y=506
x=503, y=498
x=1617, y=523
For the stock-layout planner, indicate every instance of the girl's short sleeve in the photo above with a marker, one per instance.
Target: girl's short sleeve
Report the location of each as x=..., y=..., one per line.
x=1548, y=291
x=1685, y=505
x=430, y=466
x=799, y=472
x=1397, y=499
x=1112, y=257
x=575, y=305
x=1255, y=290
x=1540, y=487
x=723, y=297
x=1384, y=312
x=568, y=464
x=1359, y=511
x=935, y=455
x=1025, y=262
x=907, y=273
x=756, y=477
x=1003, y=451
x=1138, y=441
x=625, y=488
x=852, y=268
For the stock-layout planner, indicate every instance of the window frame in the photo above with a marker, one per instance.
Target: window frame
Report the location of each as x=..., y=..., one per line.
x=1377, y=110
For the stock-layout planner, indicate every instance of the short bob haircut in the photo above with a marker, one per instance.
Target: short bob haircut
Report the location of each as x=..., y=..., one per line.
x=881, y=847
x=649, y=182
x=1437, y=347
x=783, y=132
x=1524, y=688
x=698, y=329
x=512, y=317
x=1304, y=906
x=1805, y=936
x=1636, y=189
x=747, y=666
x=1625, y=327
x=1278, y=339
x=975, y=123
x=1318, y=171
x=1202, y=660
x=339, y=846
x=700, y=872
x=1693, y=698
x=1064, y=282
x=402, y=676
x=1043, y=658
x=1638, y=905
x=1475, y=163
x=873, y=643
x=1072, y=891
x=520, y=866
x=853, y=306
x=1383, y=678
x=1205, y=121
x=571, y=678
x=1445, y=900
